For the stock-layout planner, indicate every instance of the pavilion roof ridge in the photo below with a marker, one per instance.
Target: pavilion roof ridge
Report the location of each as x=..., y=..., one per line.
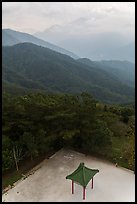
x=82, y=174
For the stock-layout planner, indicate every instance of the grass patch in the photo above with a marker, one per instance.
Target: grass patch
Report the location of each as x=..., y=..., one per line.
x=12, y=179
x=117, y=151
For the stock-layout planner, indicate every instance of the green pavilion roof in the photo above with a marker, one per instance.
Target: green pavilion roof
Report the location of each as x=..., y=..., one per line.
x=82, y=175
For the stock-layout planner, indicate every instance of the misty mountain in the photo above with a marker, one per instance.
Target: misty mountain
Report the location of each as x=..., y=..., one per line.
x=8, y=40
x=126, y=51
x=34, y=67
x=103, y=46
x=11, y=37
x=123, y=70
x=95, y=46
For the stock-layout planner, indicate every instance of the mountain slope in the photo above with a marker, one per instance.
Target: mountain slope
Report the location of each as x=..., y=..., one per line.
x=8, y=40
x=95, y=46
x=11, y=37
x=32, y=66
x=123, y=70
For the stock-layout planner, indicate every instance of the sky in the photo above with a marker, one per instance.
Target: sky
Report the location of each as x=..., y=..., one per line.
x=76, y=17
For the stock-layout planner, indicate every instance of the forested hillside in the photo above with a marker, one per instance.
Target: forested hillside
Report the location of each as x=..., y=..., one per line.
x=33, y=67
x=123, y=70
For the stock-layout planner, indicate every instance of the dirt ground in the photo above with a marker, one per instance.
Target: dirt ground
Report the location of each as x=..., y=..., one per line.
x=48, y=182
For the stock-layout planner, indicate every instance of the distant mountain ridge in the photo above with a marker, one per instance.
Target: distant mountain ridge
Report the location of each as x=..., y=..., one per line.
x=12, y=37
x=95, y=46
x=123, y=70
x=29, y=66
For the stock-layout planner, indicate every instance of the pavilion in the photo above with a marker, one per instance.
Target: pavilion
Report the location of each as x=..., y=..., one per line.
x=82, y=175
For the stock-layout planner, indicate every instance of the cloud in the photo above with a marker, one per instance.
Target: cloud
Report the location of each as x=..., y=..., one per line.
x=77, y=17
x=130, y=25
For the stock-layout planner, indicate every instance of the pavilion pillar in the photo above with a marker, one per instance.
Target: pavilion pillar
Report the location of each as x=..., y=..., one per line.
x=84, y=193
x=92, y=183
x=72, y=187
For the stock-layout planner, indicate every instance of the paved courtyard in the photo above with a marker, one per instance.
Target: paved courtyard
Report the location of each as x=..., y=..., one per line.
x=48, y=183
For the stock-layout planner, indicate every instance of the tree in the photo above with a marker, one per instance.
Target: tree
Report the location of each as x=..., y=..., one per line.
x=17, y=154
x=7, y=155
x=29, y=142
x=98, y=140
x=130, y=148
x=105, y=108
x=125, y=113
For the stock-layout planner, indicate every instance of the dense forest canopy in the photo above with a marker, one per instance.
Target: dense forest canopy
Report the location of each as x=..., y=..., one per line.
x=36, y=123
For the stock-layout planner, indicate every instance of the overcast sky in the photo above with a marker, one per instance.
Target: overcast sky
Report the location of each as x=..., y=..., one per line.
x=80, y=17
